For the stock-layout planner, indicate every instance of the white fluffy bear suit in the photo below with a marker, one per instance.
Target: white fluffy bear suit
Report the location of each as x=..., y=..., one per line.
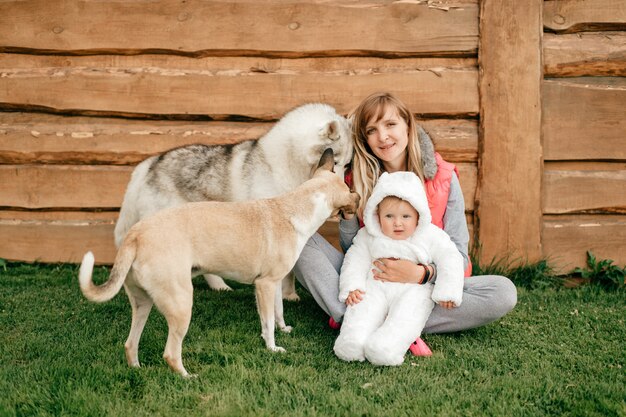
x=392, y=315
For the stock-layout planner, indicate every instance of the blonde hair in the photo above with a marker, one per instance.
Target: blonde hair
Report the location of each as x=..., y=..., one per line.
x=366, y=167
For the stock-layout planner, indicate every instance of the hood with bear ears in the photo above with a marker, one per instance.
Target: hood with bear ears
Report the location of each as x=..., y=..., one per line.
x=404, y=185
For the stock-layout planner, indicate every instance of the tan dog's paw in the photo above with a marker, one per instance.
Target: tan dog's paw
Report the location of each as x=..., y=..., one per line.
x=291, y=296
x=278, y=349
x=286, y=329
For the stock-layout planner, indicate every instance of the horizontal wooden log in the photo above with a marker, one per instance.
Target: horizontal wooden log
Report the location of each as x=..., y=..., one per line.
x=468, y=174
x=576, y=187
x=586, y=15
x=566, y=239
x=27, y=138
x=163, y=93
x=103, y=186
x=456, y=140
x=584, y=54
x=584, y=118
x=217, y=28
x=237, y=65
x=56, y=236
x=63, y=186
x=66, y=236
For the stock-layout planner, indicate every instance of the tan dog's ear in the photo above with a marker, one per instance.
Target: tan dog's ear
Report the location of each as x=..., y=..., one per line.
x=327, y=161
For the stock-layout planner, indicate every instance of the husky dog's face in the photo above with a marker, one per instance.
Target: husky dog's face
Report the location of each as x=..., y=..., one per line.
x=305, y=132
x=335, y=134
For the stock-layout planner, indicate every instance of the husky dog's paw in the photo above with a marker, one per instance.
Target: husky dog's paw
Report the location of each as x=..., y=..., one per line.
x=224, y=287
x=286, y=329
x=216, y=283
x=278, y=349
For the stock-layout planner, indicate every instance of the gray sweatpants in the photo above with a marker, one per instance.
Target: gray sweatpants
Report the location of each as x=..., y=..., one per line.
x=485, y=298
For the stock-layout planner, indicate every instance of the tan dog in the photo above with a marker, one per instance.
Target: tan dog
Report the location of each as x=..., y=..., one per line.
x=250, y=242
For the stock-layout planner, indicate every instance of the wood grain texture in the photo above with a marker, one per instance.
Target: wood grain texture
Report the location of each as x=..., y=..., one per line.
x=66, y=236
x=103, y=186
x=509, y=176
x=57, y=236
x=235, y=65
x=63, y=186
x=145, y=92
x=584, y=15
x=570, y=188
x=584, y=118
x=41, y=138
x=214, y=28
x=566, y=239
x=584, y=54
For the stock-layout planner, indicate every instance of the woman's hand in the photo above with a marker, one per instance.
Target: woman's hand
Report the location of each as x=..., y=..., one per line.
x=398, y=270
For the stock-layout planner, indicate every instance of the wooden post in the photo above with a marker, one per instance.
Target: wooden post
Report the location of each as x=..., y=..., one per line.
x=508, y=215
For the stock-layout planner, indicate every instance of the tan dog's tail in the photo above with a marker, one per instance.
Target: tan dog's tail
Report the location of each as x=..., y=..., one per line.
x=101, y=293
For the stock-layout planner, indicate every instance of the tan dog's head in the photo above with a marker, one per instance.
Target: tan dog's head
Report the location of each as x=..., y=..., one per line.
x=338, y=193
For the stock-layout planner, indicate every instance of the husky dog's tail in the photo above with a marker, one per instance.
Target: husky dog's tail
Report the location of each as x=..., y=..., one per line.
x=101, y=293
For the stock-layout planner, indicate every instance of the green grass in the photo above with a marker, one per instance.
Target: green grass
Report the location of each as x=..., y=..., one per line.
x=560, y=352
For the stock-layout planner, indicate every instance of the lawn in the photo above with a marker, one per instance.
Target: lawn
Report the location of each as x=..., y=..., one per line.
x=560, y=352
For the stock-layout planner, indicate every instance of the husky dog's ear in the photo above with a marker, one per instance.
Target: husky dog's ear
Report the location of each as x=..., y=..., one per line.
x=330, y=130
x=350, y=120
x=327, y=161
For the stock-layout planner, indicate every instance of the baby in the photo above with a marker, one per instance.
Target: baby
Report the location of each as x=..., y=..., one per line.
x=384, y=318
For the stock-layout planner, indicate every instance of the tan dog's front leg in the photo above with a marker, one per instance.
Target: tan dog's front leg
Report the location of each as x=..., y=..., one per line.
x=278, y=310
x=265, y=296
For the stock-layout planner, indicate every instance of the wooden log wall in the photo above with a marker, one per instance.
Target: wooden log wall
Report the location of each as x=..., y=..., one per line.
x=528, y=99
x=584, y=131
x=90, y=88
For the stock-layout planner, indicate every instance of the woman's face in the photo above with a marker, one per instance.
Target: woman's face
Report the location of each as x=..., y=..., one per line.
x=388, y=139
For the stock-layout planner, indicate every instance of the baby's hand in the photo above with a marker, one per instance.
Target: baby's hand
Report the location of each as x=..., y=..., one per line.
x=447, y=304
x=355, y=297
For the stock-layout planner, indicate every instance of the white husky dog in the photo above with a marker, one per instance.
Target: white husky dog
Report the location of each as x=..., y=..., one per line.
x=277, y=163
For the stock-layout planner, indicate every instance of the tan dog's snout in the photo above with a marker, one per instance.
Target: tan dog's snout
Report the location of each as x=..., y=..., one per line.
x=350, y=209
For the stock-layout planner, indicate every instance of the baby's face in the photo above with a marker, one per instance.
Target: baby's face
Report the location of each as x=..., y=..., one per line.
x=398, y=219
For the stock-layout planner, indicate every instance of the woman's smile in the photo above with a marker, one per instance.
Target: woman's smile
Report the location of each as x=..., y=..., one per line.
x=387, y=137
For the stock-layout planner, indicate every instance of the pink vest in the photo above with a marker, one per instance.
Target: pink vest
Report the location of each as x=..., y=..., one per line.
x=437, y=193
x=438, y=189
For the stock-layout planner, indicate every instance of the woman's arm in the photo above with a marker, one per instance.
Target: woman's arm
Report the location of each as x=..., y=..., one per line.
x=454, y=221
x=347, y=231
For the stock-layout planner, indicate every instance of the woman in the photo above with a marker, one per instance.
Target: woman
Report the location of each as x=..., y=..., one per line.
x=387, y=139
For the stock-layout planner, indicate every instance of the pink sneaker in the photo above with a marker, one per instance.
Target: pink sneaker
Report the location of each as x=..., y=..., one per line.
x=333, y=324
x=419, y=348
